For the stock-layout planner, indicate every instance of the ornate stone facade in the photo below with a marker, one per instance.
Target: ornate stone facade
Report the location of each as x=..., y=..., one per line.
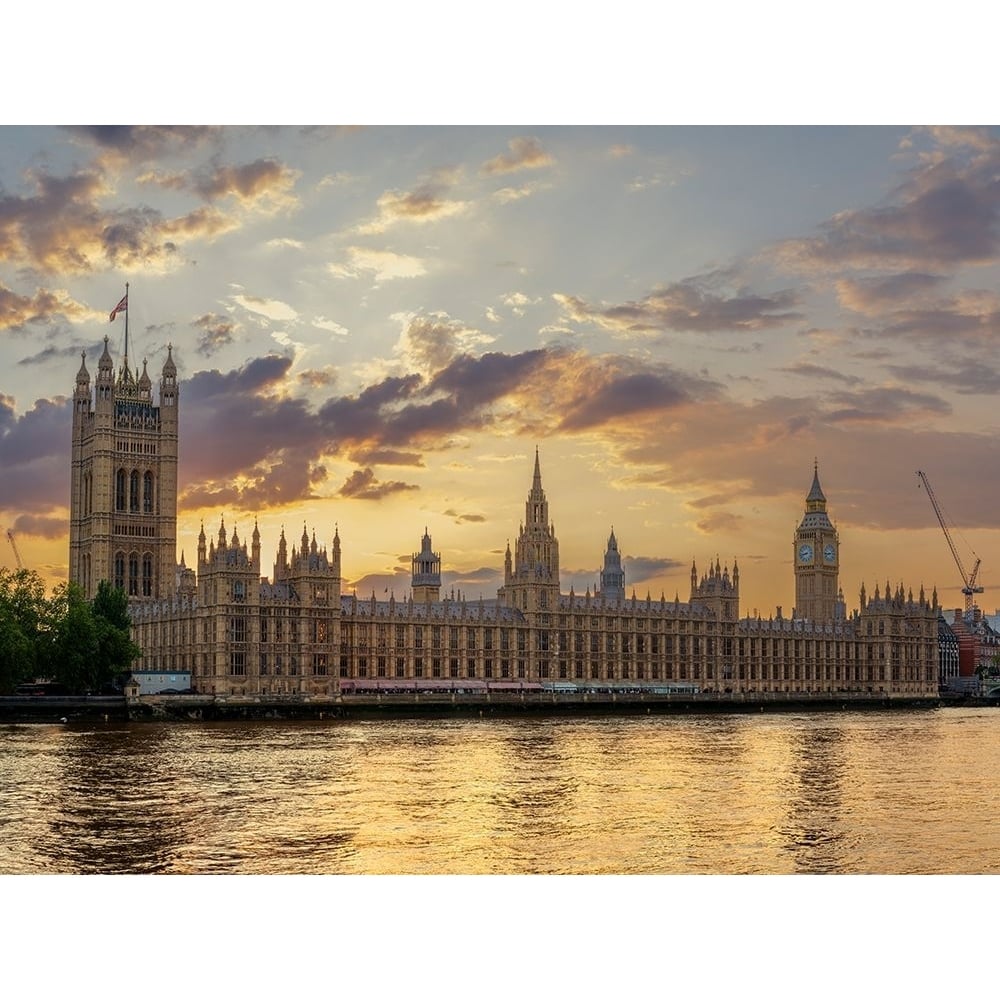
x=239, y=632
x=123, y=501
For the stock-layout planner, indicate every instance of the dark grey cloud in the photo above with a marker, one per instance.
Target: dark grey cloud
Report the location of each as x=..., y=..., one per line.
x=693, y=305
x=361, y=484
x=641, y=569
x=141, y=142
x=944, y=214
x=215, y=332
x=40, y=526
x=973, y=378
x=810, y=370
x=883, y=405
x=625, y=396
x=473, y=381
x=33, y=456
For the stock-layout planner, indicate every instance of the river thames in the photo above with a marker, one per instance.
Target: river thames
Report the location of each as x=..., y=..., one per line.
x=848, y=792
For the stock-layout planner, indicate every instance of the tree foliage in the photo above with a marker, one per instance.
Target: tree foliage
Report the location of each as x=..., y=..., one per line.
x=80, y=644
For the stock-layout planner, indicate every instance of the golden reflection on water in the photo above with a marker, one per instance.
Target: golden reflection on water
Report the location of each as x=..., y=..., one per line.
x=836, y=792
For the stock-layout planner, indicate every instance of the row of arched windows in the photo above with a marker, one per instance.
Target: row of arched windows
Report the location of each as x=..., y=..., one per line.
x=134, y=493
x=127, y=573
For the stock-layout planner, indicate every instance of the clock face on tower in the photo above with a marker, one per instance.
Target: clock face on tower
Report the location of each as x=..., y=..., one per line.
x=805, y=553
x=830, y=554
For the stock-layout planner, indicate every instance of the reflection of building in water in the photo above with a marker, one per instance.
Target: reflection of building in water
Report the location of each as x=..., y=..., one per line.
x=295, y=632
x=814, y=833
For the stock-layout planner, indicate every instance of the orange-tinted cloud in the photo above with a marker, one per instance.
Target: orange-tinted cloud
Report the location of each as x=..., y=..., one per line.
x=526, y=153
x=18, y=310
x=62, y=227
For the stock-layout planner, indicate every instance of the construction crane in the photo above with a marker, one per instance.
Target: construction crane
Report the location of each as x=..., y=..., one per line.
x=969, y=587
x=13, y=545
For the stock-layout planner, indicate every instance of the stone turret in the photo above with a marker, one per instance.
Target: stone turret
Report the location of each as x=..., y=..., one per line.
x=425, y=572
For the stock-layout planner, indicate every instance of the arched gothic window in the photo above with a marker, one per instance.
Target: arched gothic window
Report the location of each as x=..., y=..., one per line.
x=119, y=571
x=147, y=574
x=147, y=493
x=133, y=493
x=133, y=575
x=120, y=489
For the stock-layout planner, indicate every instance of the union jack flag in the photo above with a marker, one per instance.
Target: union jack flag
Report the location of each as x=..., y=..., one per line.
x=123, y=305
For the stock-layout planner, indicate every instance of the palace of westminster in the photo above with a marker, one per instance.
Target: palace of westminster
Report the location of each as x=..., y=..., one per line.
x=238, y=632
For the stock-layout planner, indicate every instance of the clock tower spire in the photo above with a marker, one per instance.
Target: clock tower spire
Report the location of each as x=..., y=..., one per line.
x=816, y=558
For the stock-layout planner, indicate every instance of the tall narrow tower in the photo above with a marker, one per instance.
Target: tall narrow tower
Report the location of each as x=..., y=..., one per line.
x=613, y=576
x=816, y=558
x=532, y=583
x=123, y=500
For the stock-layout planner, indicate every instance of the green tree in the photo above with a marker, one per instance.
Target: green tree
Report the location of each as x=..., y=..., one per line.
x=81, y=645
x=115, y=650
x=23, y=621
x=71, y=650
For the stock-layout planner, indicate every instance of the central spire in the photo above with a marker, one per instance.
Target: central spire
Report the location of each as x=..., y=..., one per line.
x=536, y=483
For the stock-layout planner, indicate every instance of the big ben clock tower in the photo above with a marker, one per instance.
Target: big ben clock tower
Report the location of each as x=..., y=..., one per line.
x=817, y=561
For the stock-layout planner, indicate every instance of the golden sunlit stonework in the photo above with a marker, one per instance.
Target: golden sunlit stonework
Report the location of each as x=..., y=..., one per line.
x=238, y=632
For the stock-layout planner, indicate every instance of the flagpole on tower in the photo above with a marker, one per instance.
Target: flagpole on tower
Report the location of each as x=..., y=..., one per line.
x=126, y=320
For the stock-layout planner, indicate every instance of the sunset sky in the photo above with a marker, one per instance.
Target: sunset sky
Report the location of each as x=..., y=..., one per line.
x=375, y=327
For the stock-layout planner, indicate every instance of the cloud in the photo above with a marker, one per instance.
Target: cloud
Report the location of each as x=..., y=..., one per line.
x=216, y=332
x=809, y=370
x=33, y=448
x=873, y=295
x=136, y=143
x=973, y=378
x=690, y=305
x=386, y=264
x=40, y=526
x=429, y=343
x=641, y=569
x=318, y=378
x=16, y=311
x=969, y=319
x=623, y=395
x=507, y=195
x=262, y=183
x=257, y=446
x=362, y=485
x=271, y=308
x=428, y=202
x=526, y=153
x=322, y=323
x=516, y=301
x=464, y=518
x=720, y=521
x=943, y=214
x=885, y=405
x=61, y=227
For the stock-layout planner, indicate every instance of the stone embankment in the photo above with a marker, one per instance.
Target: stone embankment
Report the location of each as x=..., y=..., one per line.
x=193, y=707
x=206, y=707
